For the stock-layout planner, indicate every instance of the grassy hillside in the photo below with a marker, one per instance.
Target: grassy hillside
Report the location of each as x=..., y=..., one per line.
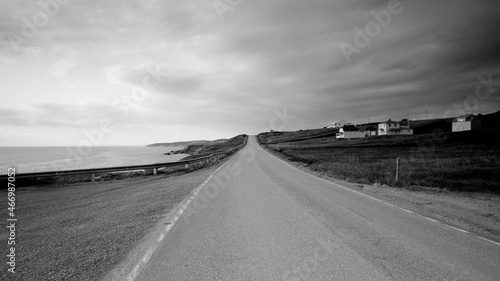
x=184, y=143
x=280, y=137
x=178, y=143
x=466, y=161
x=214, y=147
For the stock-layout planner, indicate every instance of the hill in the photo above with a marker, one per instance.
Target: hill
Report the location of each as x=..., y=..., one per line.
x=198, y=150
x=178, y=143
x=461, y=161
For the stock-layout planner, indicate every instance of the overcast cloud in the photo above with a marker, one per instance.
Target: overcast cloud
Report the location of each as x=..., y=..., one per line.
x=210, y=78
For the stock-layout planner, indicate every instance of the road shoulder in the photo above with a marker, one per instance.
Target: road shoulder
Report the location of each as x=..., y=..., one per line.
x=81, y=231
x=478, y=213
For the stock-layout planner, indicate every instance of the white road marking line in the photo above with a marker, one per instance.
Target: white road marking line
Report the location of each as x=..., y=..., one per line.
x=456, y=228
x=162, y=236
x=433, y=220
x=134, y=272
x=375, y=199
x=147, y=256
x=167, y=229
x=491, y=241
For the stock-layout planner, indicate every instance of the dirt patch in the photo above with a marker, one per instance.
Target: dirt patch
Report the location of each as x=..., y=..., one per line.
x=80, y=231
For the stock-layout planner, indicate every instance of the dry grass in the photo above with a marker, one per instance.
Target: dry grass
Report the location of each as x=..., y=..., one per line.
x=463, y=162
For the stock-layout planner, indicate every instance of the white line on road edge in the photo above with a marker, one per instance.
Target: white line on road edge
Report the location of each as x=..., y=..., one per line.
x=491, y=241
x=386, y=203
x=137, y=268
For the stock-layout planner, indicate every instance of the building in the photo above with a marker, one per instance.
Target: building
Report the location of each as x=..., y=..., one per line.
x=338, y=124
x=388, y=128
x=368, y=130
x=349, y=132
x=404, y=125
x=395, y=128
x=465, y=123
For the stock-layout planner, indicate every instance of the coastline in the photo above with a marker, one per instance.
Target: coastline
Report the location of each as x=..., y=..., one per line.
x=48, y=159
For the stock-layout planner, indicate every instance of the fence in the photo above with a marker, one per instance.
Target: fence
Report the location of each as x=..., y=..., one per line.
x=149, y=169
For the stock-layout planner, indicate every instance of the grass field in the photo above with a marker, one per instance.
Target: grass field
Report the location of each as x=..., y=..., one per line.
x=467, y=161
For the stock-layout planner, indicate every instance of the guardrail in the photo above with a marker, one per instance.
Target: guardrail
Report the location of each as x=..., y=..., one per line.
x=148, y=169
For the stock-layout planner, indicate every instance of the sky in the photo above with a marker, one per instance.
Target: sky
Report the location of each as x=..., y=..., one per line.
x=140, y=72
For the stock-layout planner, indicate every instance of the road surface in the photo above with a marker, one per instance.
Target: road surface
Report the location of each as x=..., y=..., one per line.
x=259, y=218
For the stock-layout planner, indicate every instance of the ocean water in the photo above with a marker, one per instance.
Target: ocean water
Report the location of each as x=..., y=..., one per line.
x=43, y=159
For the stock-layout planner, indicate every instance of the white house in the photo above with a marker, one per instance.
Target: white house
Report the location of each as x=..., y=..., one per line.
x=395, y=128
x=338, y=124
x=464, y=123
x=349, y=132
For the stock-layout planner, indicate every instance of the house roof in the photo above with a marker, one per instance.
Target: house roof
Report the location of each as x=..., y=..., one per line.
x=349, y=128
x=389, y=122
x=367, y=128
x=468, y=117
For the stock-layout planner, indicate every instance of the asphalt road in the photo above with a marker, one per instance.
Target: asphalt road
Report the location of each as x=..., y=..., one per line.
x=259, y=218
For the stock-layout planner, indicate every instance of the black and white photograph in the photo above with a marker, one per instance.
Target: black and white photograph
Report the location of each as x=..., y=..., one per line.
x=286, y=140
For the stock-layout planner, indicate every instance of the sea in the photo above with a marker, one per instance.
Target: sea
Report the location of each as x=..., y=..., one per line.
x=45, y=159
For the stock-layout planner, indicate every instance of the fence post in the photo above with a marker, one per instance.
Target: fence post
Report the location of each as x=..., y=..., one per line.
x=92, y=178
x=397, y=169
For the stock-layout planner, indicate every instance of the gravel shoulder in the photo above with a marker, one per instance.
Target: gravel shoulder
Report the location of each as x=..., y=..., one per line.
x=81, y=231
x=478, y=213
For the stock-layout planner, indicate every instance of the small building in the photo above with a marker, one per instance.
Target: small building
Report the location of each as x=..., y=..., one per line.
x=388, y=128
x=464, y=123
x=404, y=125
x=349, y=132
x=395, y=128
x=368, y=130
x=338, y=124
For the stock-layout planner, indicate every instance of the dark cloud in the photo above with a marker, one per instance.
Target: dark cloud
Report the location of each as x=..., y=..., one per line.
x=265, y=55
